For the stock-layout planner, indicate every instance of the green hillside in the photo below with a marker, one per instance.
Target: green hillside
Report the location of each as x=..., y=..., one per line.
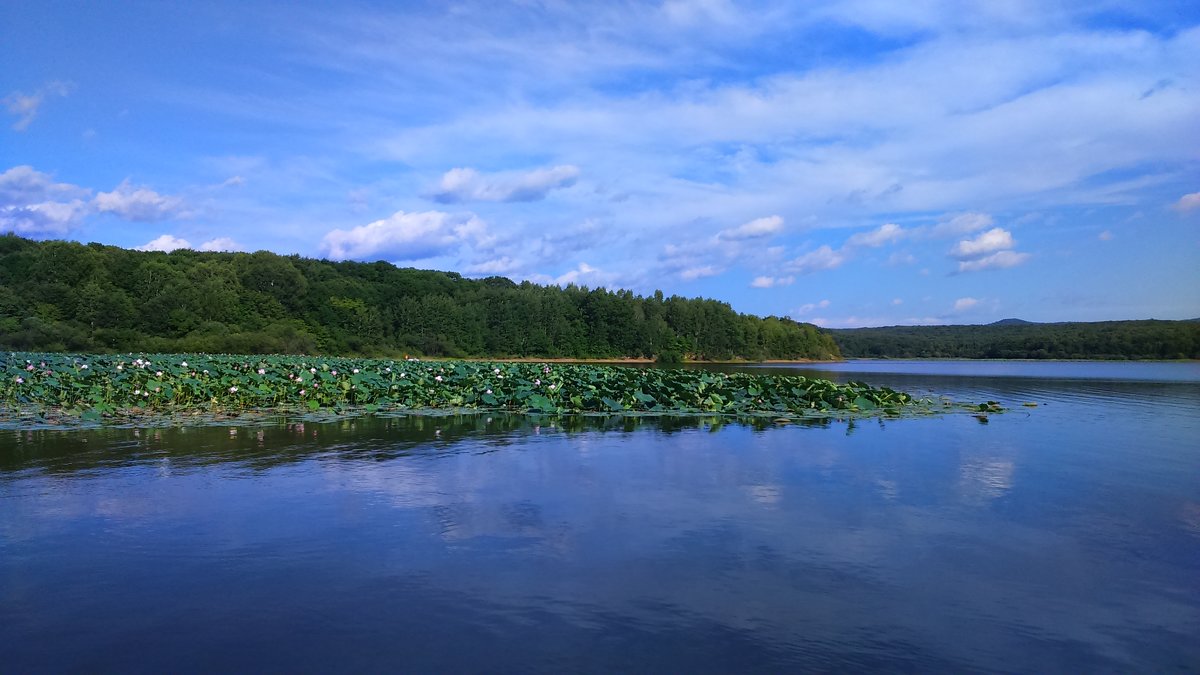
x=66, y=296
x=1016, y=339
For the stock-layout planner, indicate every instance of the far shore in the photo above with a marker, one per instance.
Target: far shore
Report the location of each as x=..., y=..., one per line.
x=631, y=360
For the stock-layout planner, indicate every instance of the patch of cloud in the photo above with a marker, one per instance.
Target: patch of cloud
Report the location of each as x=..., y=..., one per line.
x=233, y=181
x=990, y=250
x=26, y=106
x=808, y=308
x=888, y=233
x=42, y=219
x=693, y=273
x=823, y=258
x=691, y=13
x=963, y=223
x=963, y=304
x=854, y=321
x=996, y=261
x=139, y=204
x=165, y=243
x=221, y=244
x=1106, y=235
x=501, y=266
x=901, y=258
x=24, y=185
x=405, y=236
x=577, y=274
x=1188, y=202
x=468, y=185
x=755, y=229
x=32, y=204
x=995, y=239
x=897, y=301
x=772, y=282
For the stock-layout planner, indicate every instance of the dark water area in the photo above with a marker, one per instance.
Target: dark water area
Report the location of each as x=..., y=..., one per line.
x=1058, y=538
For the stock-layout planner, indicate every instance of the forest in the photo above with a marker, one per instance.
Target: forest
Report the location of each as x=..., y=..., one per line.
x=1015, y=339
x=64, y=296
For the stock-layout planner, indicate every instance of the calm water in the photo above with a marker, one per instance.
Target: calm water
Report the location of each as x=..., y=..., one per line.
x=1061, y=538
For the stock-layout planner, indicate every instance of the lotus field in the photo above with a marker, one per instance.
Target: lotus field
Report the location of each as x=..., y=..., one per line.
x=95, y=387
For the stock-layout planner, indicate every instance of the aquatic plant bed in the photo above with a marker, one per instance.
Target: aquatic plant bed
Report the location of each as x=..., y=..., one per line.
x=118, y=387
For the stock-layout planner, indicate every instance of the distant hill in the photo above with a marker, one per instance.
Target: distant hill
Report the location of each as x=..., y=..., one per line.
x=1018, y=339
x=65, y=296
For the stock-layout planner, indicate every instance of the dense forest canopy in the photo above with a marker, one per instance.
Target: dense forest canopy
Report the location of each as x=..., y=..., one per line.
x=1013, y=339
x=66, y=296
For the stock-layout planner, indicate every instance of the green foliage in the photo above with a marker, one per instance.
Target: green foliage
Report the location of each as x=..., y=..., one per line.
x=1148, y=339
x=63, y=296
x=669, y=357
x=100, y=386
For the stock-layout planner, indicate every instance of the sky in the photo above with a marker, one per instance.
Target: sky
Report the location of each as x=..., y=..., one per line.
x=847, y=163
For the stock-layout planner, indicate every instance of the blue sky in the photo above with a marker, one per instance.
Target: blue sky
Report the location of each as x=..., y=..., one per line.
x=849, y=163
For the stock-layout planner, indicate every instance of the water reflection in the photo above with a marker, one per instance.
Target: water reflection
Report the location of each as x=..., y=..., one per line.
x=1064, y=537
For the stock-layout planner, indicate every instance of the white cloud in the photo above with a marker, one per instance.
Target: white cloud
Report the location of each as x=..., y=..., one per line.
x=1106, y=235
x=1188, y=202
x=823, y=258
x=693, y=273
x=405, y=236
x=233, y=181
x=32, y=204
x=165, y=243
x=42, y=219
x=963, y=304
x=24, y=184
x=868, y=321
x=584, y=275
x=26, y=106
x=771, y=282
x=221, y=244
x=995, y=239
x=755, y=229
x=897, y=301
x=140, y=204
x=468, y=185
x=808, y=308
x=497, y=266
x=887, y=233
x=963, y=223
x=902, y=258
x=995, y=261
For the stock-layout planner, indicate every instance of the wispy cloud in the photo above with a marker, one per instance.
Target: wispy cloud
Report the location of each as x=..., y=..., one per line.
x=772, y=282
x=888, y=233
x=405, y=236
x=468, y=185
x=809, y=308
x=963, y=304
x=996, y=261
x=169, y=242
x=755, y=229
x=138, y=203
x=26, y=106
x=1188, y=202
x=823, y=258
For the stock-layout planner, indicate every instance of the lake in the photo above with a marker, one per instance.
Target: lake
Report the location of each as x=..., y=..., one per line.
x=1058, y=538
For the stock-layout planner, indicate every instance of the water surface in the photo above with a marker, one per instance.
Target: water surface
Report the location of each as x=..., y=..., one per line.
x=1062, y=537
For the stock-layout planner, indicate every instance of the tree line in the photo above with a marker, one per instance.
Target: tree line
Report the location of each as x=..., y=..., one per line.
x=1148, y=339
x=67, y=296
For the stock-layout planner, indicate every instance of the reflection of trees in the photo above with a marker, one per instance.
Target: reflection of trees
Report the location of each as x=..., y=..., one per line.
x=267, y=443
